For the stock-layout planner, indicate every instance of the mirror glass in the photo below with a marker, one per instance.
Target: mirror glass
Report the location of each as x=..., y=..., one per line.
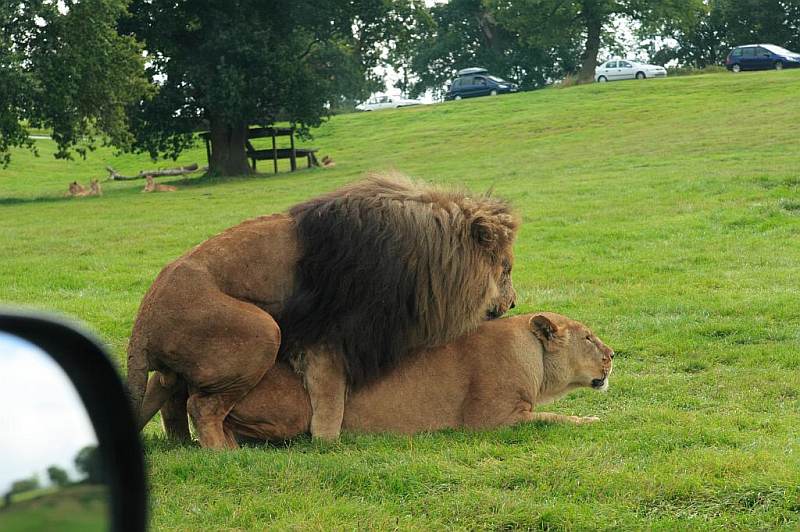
x=51, y=475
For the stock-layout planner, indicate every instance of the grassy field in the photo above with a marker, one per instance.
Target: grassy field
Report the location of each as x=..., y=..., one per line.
x=665, y=214
x=78, y=508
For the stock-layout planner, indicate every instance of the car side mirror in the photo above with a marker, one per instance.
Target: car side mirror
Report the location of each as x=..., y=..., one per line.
x=71, y=455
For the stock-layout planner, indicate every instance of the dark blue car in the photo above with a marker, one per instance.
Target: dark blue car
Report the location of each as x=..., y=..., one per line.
x=761, y=57
x=473, y=82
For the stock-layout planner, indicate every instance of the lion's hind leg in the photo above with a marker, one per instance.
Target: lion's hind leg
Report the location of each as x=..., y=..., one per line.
x=239, y=343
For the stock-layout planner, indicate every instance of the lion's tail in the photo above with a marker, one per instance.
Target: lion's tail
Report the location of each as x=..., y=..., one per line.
x=160, y=388
x=138, y=368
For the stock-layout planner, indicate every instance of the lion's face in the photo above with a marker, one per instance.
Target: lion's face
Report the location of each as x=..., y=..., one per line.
x=505, y=297
x=587, y=361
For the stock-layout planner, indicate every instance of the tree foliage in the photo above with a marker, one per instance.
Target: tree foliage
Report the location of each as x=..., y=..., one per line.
x=25, y=484
x=705, y=34
x=227, y=65
x=468, y=33
x=64, y=67
x=532, y=42
x=89, y=462
x=58, y=475
x=583, y=26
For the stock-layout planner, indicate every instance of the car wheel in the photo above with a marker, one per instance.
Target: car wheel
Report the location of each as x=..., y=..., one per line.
x=736, y=68
x=493, y=93
x=602, y=79
x=640, y=75
x=778, y=65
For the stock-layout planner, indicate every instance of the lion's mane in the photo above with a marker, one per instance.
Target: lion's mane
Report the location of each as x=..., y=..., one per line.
x=389, y=265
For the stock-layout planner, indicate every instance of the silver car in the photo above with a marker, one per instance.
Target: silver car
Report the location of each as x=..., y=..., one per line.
x=617, y=69
x=386, y=102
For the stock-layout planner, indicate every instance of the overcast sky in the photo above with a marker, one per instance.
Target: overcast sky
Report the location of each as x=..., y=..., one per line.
x=42, y=419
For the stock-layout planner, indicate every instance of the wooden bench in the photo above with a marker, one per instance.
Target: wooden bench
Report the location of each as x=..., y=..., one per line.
x=274, y=153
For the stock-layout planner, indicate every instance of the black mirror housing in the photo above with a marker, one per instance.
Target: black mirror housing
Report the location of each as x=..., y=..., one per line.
x=89, y=368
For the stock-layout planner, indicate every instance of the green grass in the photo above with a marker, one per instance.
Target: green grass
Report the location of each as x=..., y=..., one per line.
x=78, y=508
x=665, y=214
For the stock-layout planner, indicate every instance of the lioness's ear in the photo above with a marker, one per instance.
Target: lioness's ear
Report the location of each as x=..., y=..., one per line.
x=546, y=331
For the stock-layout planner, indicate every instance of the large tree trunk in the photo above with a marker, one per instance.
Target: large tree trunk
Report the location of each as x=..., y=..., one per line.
x=593, y=19
x=228, y=156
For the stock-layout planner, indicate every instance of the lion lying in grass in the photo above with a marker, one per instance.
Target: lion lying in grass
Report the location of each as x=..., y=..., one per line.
x=489, y=378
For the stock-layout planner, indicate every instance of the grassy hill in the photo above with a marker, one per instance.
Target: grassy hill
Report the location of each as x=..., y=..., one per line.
x=665, y=214
x=77, y=508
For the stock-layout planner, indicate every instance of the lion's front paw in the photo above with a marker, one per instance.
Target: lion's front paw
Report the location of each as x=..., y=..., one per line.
x=327, y=435
x=587, y=419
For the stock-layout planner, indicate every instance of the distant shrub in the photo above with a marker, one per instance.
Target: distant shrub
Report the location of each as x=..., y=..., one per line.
x=692, y=71
x=24, y=484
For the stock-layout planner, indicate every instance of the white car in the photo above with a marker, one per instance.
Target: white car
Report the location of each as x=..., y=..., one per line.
x=622, y=69
x=386, y=102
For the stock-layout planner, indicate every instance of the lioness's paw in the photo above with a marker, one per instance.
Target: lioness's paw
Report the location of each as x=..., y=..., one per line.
x=588, y=419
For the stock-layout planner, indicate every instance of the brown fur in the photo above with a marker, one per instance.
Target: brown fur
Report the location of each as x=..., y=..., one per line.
x=460, y=248
x=492, y=377
x=328, y=271
x=152, y=186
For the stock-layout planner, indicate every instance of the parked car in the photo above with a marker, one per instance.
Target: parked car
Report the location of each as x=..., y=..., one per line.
x=386, y=102
x=761, y=57
x=473, y=82
x=617, y=69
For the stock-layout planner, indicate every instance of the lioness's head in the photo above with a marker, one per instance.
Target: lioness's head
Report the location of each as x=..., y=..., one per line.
x=578, y=357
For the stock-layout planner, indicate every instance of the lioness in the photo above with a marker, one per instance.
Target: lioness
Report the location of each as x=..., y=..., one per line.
x=78, y=190
x=345, y=285
x=492, y=377
x=152, y=186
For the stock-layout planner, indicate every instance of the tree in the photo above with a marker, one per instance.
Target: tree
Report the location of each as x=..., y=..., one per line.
x=58, y=476
x=63, y=66
x=700, y=36
x=581, y=24
x=226, y=65
x=89, y=462
x=411, y=25
x=25, y=484
x=707, y=32
x=468, y=33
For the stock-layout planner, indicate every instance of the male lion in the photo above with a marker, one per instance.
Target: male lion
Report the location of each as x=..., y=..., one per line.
x=492, y=377
x=356, y=279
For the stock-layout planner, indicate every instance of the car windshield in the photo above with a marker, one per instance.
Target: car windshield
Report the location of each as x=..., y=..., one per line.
x=778, y=50
x=498, y=80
